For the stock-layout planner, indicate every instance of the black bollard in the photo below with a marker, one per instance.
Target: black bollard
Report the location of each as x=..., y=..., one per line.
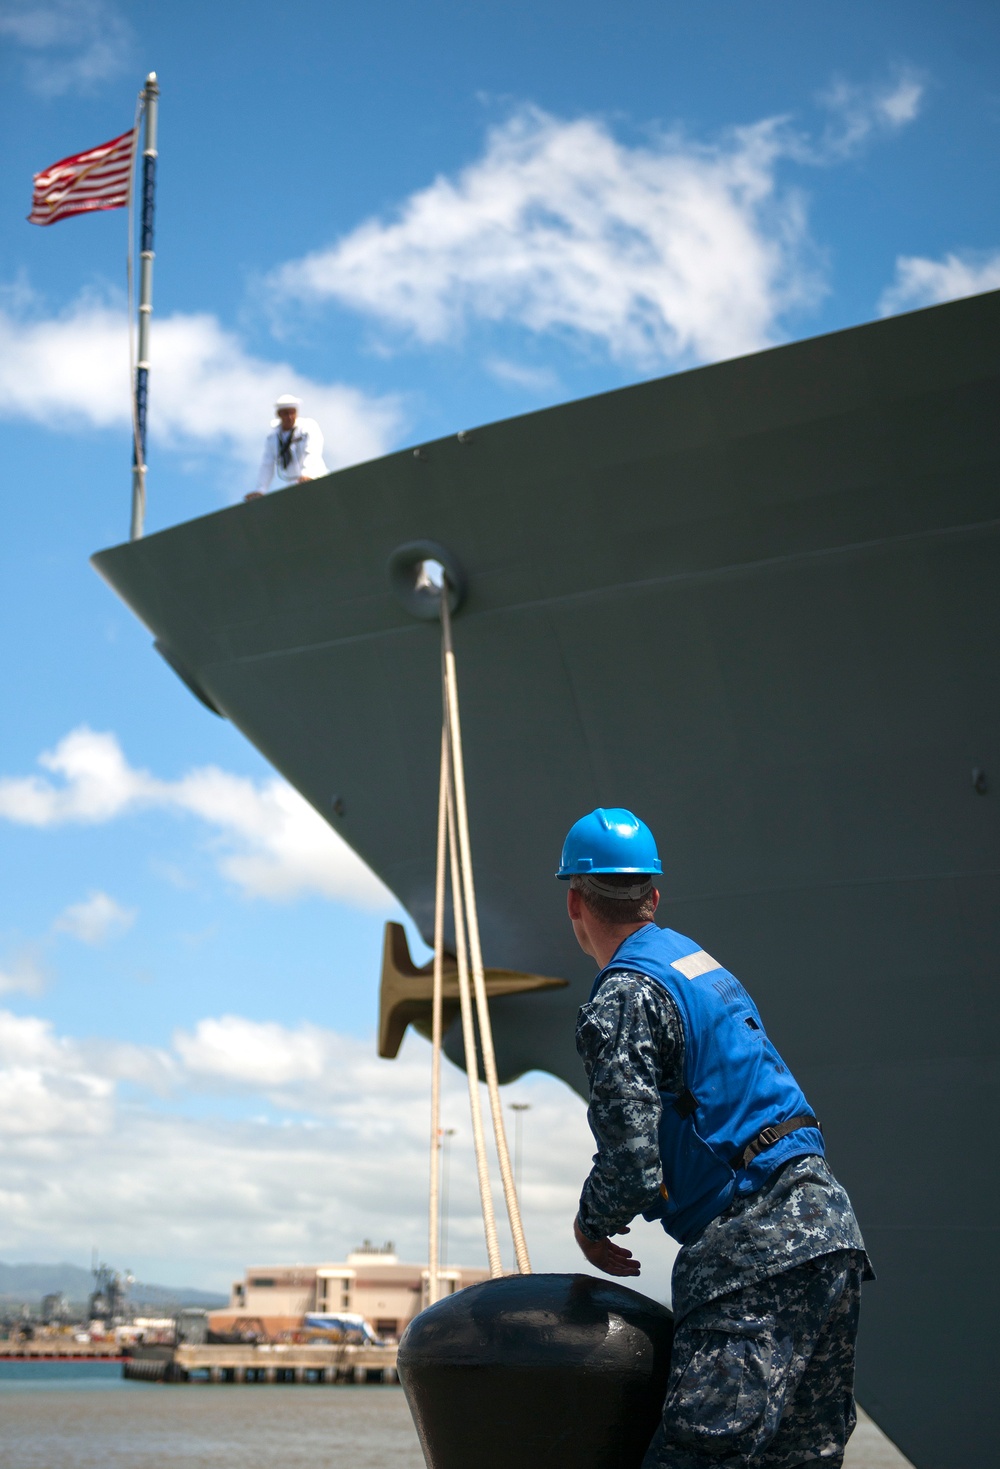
x=537, y=1372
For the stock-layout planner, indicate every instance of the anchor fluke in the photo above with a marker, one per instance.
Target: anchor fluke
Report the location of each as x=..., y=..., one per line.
x=406, y=991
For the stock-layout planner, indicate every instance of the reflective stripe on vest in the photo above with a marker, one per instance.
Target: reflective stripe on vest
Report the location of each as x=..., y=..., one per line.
x=735, y=1085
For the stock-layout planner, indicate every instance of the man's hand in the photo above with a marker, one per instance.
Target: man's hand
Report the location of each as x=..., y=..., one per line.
x=605, y=1255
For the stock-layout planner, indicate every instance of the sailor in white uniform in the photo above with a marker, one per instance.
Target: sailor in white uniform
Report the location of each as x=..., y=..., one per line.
x=293, y=450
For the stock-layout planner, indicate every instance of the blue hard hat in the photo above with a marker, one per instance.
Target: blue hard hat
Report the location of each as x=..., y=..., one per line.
x=610, y=839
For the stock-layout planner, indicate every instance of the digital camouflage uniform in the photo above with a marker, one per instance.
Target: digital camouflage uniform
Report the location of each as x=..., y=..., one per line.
x=765, y=1298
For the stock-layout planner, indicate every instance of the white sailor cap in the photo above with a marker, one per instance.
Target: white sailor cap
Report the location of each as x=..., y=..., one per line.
x=288, y=400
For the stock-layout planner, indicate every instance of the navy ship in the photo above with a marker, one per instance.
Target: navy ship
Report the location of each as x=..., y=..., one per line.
x=756, y=602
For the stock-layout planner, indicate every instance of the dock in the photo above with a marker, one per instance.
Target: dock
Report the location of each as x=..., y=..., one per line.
x=263, y=1362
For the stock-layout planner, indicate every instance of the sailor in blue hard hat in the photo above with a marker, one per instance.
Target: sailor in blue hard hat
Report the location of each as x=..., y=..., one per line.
x=700, y=1125
x=601, y=850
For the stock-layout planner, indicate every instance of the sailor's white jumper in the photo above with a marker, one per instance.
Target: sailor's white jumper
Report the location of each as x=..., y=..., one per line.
x=305, y=456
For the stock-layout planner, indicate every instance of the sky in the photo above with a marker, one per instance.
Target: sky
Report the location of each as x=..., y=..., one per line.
x=418, y=217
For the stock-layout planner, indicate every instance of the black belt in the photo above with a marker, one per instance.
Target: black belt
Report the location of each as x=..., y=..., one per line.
x=768, y=1136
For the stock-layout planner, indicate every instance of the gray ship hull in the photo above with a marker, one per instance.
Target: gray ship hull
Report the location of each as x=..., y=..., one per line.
x=758, y=604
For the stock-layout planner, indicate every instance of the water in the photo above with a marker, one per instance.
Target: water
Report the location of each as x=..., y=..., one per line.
x=84, y=1415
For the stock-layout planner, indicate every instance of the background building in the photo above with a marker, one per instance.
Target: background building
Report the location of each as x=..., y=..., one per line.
x=372, y=1282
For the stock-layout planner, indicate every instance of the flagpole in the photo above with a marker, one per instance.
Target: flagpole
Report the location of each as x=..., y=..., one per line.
x=151, y=93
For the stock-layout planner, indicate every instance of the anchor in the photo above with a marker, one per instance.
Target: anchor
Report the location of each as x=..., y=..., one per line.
x=406, y=993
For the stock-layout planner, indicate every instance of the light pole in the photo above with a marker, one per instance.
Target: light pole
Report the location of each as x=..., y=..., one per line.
x=518, y=1109
x=447, y=1133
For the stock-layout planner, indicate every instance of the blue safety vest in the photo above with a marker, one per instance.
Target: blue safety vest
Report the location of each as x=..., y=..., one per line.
x=736, y=1086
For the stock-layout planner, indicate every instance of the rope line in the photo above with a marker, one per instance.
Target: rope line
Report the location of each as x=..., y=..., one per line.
x=433, y=1263
x=457, y=806
x=469, y=1040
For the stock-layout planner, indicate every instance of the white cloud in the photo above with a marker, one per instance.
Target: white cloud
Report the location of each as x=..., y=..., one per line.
x=208, y=391
x=266, y=838
x=75, y=44
x=178, y=1189
x=923, y=282
x=521, y=375
x=273, y=844
x=27, y=1040
x=663, y=252
x=95, y=919
x=261, y=1055
x=860, y=112
x=45, y=1087
x=97, y=784
x=676, y=251
x=24, y=972
x=901, y=104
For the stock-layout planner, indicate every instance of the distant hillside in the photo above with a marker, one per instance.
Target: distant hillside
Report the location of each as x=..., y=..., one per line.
x=19, y=1283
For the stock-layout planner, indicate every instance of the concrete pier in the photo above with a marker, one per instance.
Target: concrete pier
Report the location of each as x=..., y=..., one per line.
x=265, y=1362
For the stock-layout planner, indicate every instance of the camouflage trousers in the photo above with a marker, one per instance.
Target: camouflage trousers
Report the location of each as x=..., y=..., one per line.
x=763, y=1378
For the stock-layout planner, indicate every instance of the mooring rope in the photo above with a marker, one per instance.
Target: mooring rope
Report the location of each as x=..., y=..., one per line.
x=461, y=856
x=469, y=1039
x=434, y=1227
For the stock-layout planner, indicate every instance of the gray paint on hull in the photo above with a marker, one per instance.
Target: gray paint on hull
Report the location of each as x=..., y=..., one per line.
x=757, y=603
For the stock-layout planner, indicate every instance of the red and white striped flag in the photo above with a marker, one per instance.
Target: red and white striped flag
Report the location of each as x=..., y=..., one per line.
x=97, y=179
